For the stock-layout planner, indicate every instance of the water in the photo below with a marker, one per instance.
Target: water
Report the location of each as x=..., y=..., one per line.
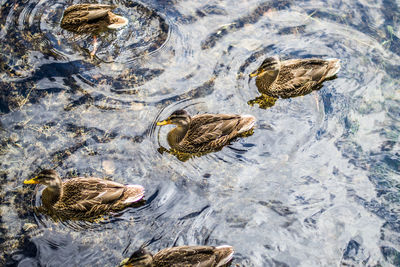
x=317, y=184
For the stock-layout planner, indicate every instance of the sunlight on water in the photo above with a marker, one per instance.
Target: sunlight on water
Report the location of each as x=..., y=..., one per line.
x=316, y=184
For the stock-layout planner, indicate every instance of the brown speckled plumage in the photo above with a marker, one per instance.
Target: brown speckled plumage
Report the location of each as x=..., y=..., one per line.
x=84, y=197
x=293, y=77
x=88, y=18
x=205, y=132
x=183, y=256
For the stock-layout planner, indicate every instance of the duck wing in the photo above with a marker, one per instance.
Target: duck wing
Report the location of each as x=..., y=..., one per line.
x=298, y=82
x=302, y=75
x=84, y=193
x=209, y=127
x=201, y=256
x=85, y=13
x=302, y=71
x=95, y=15
x=87, y=7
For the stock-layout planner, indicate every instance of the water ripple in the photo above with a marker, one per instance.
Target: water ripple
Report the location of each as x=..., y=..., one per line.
x=315, y=185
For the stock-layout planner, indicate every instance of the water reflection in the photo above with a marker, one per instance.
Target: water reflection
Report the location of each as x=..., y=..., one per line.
x=316, y=184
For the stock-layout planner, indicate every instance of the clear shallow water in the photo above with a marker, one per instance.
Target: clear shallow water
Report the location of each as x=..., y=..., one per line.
x=317, y=184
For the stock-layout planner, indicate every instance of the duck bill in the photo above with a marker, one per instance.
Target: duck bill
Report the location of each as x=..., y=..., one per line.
x=31, y=181
x=166, y=122
x=254, y=74
x=125, y=263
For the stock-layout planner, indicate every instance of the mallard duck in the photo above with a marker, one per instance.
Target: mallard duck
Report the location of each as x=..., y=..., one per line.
x=204, y=256
x=84, y=197
x=91, y=18
x=205, y=132
x=293, y=77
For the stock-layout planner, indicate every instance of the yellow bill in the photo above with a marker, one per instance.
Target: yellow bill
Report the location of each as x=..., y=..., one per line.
x=167, y=121
x=31, y=181
x=253, y=74
x=124, y=263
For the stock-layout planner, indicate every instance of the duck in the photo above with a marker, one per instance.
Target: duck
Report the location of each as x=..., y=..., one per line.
x=205, y=256
x=84, y=197
x=294, y=77
x=91, y=18
x=205, y=132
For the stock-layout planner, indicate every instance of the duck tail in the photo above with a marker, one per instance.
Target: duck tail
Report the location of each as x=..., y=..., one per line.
x=224, y=254
x=133, y=193
x=118, y=22
x=333, y=67
x=246, y=123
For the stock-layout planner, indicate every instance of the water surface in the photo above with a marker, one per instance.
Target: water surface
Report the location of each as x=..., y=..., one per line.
x=317, y=184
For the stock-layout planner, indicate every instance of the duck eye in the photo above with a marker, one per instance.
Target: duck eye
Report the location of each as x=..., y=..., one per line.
x=268, y=65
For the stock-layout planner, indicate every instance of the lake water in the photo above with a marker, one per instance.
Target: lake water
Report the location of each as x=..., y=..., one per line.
x=317, y=184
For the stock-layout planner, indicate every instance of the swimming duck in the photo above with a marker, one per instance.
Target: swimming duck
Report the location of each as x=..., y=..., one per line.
x=205, y=132
x=204, y=256
x=293, y=77
x=91, y=18
x=84, y=197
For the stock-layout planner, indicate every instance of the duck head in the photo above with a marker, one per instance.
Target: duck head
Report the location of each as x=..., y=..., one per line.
x=178, y=117
x=270, y=66
x=50, y=178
